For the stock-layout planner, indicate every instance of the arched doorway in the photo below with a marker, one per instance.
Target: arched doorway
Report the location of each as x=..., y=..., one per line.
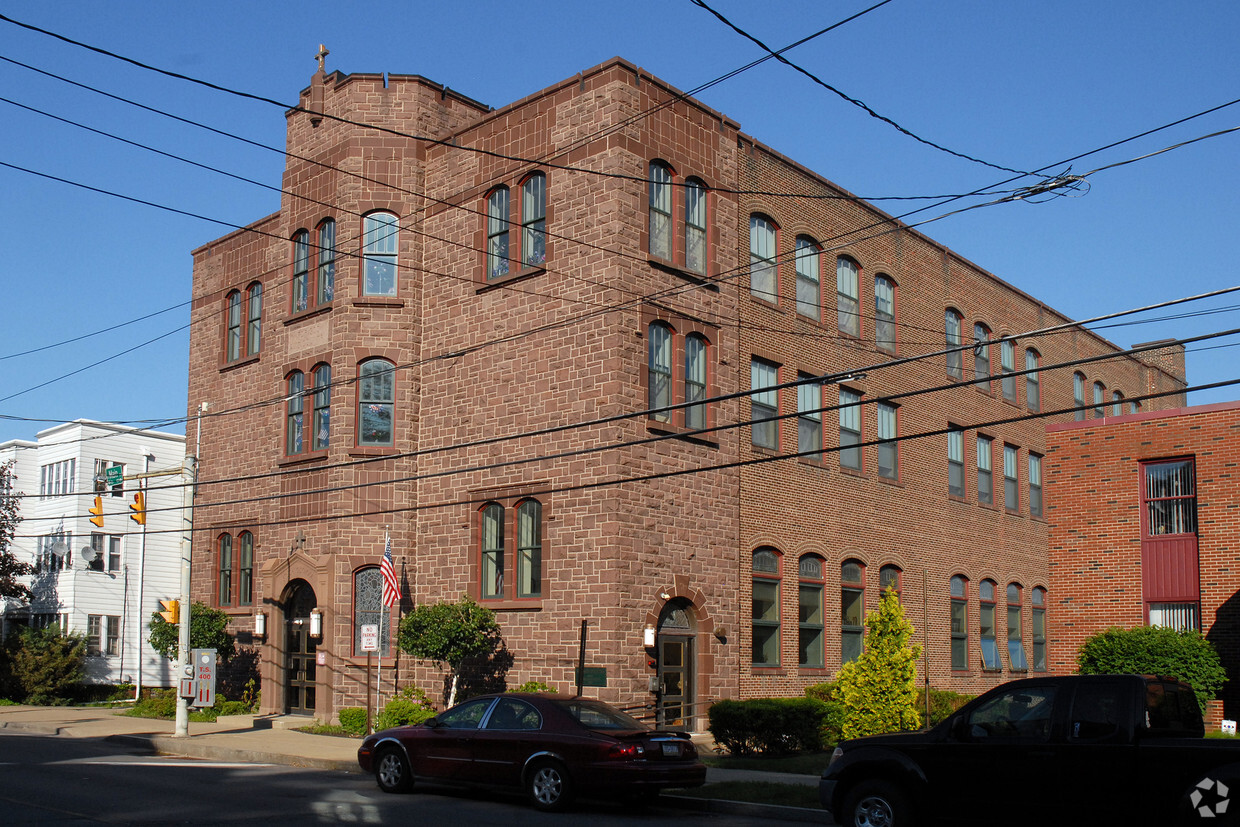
x=675, y=703
x=299, y=650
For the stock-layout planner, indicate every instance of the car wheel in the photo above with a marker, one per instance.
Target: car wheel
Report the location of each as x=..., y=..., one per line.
x=392, y=772
x=549, y=786
x=876, y=804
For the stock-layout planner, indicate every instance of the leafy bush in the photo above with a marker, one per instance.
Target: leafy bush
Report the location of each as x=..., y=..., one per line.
x=410, y=706
x=532, y=686
x=942, y=703
x=770, y=726
x=879, y=689
x=208, y=629
x=353, y=720
x=159, y=703
x=833, y=718
x=44, y=666
x=1155, y=650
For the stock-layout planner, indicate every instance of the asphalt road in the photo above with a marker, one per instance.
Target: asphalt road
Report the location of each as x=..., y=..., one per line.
x=47, y=780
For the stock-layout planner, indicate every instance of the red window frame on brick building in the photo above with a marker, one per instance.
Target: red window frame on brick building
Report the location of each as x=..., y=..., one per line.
x=678, y=373
x=1170, y=573
x=510, y=550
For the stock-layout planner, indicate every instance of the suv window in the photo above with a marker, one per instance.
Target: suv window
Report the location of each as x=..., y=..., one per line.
x=1021, y=712
x=1170, y=708
x=1095, y=712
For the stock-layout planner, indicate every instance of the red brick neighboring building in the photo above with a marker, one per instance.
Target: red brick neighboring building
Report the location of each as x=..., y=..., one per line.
x=524, y=351
x=1143, y=529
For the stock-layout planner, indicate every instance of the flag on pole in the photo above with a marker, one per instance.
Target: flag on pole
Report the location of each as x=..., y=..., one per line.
x=391, y=587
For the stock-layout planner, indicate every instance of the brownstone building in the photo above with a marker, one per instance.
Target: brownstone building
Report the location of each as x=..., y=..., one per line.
x=1143, y=529
x=580, y=358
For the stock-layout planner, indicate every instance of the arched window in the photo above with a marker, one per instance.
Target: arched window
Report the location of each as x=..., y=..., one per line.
x=695, y=226
x=850, y=429
x=981, y=356
x=1033, y=388
x=1016, y=645
x=1007, y=365
x=809, y=286
x=224, y=595
x=763, y=280
x=497, y=233
x=695, y=381
x=379, y=254
x=529, y=548
x=492, y=516
x=848, y=295
x=765, y=616
x=1078, y=395
x=889, y=578
x=986, y=627
x=232, y=336
x=1117, y=403
x=294, y=417
x=254, y=328
x=327, y=261
x=322, y=379
x=885, y=313
x=955, y=356
x=376, y=402
x=1038, y=629
x=960, y=623
x=1100, y=408
x=368, y=609
x=812, y=638
x=301, y=271
x=852, y=610
x=245, y=569
x=660, y=370
x=534, y=220
x=660, y=210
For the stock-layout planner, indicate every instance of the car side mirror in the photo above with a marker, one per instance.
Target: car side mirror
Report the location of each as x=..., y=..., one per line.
x=960, y=728
x=433, y=722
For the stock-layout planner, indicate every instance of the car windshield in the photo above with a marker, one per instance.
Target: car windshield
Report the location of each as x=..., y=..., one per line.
x=598, y=715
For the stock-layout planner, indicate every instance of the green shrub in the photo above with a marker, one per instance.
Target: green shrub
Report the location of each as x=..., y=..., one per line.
x=833, y=717
x=44, y=666
x=770, y=726
x=878, y=689
x=942, y=704
x=532, y=686
x=410, y=706
x=1155, y=650
x=159, y=703
x=353, y=720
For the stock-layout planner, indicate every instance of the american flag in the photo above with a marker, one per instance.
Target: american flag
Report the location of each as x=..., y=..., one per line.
x=391, y=587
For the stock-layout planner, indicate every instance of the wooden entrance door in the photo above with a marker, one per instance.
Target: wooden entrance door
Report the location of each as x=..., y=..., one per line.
x=300, y=654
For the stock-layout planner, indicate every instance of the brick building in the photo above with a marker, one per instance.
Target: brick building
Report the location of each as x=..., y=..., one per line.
x=525, y=351
x=1143, y=529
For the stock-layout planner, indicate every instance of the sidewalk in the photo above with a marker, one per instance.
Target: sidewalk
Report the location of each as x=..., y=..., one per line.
x=257, y=739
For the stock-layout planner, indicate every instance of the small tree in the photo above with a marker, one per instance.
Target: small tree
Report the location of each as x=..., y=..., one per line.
x=208, y=629
x=44, y=664
x=10, y=567
x=1155, y=650
x=447, y=634
x=879, y=689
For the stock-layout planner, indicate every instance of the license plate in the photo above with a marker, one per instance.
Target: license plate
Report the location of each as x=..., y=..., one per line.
x=671, y=749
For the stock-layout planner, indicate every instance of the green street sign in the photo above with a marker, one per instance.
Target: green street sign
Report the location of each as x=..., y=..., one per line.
x=114, y=475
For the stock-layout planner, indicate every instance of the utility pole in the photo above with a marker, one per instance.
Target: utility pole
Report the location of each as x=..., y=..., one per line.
x=184, y=668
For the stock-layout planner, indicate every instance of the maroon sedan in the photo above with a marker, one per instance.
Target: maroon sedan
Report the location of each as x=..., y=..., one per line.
x=551, y=747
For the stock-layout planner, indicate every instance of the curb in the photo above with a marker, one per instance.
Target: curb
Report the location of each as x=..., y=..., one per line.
x=722, y=806
x=191, y=748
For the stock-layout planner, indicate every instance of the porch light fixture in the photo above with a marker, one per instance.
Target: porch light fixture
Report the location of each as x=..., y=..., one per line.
x=260, y=624
x=316, y=623
x=648, y=636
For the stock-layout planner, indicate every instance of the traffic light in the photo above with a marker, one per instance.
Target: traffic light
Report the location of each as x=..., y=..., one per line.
x=172, y=610
x=97, y=510
x=139, y=508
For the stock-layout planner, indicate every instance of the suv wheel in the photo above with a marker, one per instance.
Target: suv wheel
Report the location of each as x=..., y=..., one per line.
x=876, y=804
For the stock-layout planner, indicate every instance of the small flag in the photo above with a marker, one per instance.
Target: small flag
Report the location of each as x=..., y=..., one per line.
x=391, y=587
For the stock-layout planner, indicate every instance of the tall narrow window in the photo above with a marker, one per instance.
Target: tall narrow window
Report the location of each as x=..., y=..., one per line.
x=695, y=381
x=850, y=429
x=232, y=338
x=888, y=446
x=695, y=226
x=1117, y=403
x=245, y=569
x=1078, y=396
x=960, y=624
x=809, y=287
x=660, y=370
x=1037, y=630
x=368, y=609
x=981, y=356
x=885, y=314
x=660, y=211
x=492, y=550
x=254, y=328
x=224, y=596
x=809, y=418
x=295, y=401
x=765, y=612
x=534, y=220
x=301, y=271
x=1170, y=498
x=954, y=340
x=764, y=403
x=889, y=578
x=985, y=474
x=376, y=402
x=1100, y=408
x=379, y=254
x=327, y=261
x=1033, y=389
x=529, y=549
x=762, y=277
x=986, y=627
x=852, y=610
x=1007, y=364
x=322, y=378
x=812, y=644
x=497, y=233
x=955, y=461
x=1134, y=407
x=1035, y=485
x=1015, y=632
x=1011, y=497
x=848, y=295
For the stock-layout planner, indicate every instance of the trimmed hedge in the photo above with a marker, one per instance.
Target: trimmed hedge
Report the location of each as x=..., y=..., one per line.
x=353, y=720
x=769, y=726
x=1155, y=650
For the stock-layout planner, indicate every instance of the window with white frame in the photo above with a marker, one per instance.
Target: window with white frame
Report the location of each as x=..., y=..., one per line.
x=764, y=403
x=809, y=285
x=763, y=278
x=955, y=342
x=376, y=403
x=497, y=233
x=695, y=226
x=981, y=356
x=660, y=211
x=1033, y=388
x=1007, y=365
x=534, y=220
x=58, y=478
x=1035, y=485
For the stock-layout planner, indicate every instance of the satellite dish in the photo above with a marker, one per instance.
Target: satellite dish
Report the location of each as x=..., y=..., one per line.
x=60, y=548
x=87, y=555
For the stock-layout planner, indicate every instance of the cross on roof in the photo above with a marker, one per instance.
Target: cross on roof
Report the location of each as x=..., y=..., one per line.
x=321, y=56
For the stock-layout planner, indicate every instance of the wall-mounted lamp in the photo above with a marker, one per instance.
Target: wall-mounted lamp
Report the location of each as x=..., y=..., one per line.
x=260, y=624
x=648, y=636
x=316, y=623
x=664, y=596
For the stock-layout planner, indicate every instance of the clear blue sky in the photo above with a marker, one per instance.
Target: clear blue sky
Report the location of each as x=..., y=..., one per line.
x=1022, y=85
